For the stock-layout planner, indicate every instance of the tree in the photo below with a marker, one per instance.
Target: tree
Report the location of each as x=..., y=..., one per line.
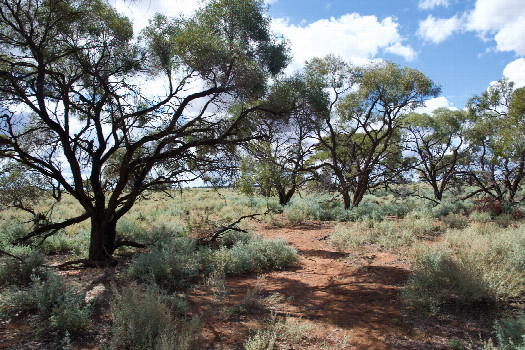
x=437, y=142
x=496, y=144
x=360, y=140
x=276, y=162
x=75, y=109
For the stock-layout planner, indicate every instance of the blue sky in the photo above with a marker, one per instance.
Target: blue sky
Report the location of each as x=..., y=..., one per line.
x=461, y=45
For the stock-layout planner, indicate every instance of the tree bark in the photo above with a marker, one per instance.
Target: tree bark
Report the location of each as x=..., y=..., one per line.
x=286, y=196
x=103, y=235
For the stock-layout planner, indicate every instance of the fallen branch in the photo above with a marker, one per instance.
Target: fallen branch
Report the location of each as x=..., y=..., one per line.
x=128, y=243
x=232, y=226
x=87, y=263
x=11, y=255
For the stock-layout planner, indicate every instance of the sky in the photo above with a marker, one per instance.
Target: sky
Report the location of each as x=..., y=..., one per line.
x=462, y=45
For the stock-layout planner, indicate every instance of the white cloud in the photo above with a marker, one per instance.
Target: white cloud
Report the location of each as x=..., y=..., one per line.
x=402, y=50
x=141, y=11
x=435, y=103
x=503, y=21
x=437, y=30
x=353, y=37
x=430, y=4
x=515, y=71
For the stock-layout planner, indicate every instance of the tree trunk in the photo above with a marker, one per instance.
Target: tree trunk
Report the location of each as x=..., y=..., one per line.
x=346, y=200
x=285, y=197
x=103, y=235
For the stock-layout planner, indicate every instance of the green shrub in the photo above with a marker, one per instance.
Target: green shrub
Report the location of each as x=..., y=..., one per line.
x=171, y=262
x=446, y=208
x=296, y=213
x=62, y=307
x=483, y=262
x=455, y=221
x=480, y=216
x=510, y=332
x=15, y=271
x=232, y=237
x=255, y=255
x=389, y=234
x=439, y=278
x=144, y=318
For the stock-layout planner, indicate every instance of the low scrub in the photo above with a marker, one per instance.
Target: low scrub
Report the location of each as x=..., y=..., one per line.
x=61, y=307
x=144, y=317
x=14, y=271
x=178, y=261
x=389, y=234
x=482, y=263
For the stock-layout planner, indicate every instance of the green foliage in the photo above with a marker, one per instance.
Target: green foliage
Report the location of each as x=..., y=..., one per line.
x=296, y=213
x=481, y=263
x=497, y=151
x=178, y=261
x=455, y=221
x=386, y=234
x=14, y=271
x=446, y=207
x=257, y=254
x=171, y=262
x=510, y=332
x=144, y=318
x=60, y=306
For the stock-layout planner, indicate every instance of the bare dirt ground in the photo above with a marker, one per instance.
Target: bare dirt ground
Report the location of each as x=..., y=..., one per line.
x=356, y=298
x=350, y=303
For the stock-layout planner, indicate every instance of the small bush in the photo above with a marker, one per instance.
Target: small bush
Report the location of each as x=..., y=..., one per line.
x=510, y=332
x=478, y=216
x=296, y=213
x=15, y=271
x=439, y=278
x=483, y=262
x=446, y=208
x=62, y=307
x=172, y=262
x=455, y=221
x=256, y=255
x=144, y=318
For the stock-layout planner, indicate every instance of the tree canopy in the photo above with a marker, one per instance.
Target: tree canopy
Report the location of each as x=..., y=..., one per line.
x=76, y=111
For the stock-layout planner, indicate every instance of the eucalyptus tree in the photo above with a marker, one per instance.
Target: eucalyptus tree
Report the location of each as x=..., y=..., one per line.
x=360, y=141
x=496, y=143
x=277, y=160
x=437, y=141
x=104, y=116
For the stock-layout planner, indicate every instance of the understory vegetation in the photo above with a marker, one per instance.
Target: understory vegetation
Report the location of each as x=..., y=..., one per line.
x=462, y=254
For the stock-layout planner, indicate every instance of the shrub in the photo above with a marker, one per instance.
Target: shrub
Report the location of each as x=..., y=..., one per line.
x=439, y=278
x=455, y=221
x=480, y=263
x=144, y=318
x=171, y=262
x=15, y=271
x=388, y=234
x=510, y=332
x=255, y=255
x=446, y=208
x=62, y=307
x=296, y=213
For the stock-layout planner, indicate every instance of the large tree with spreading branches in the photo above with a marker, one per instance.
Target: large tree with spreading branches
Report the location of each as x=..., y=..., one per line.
x=105, y=115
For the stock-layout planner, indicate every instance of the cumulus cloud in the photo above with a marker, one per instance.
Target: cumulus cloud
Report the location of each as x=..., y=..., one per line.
x=355, y=38
x=515, y=71
x=402, y=50
x=503, y=21
x=437, y=30
x=435, y=103
x=141, y=11
x=430, y=4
